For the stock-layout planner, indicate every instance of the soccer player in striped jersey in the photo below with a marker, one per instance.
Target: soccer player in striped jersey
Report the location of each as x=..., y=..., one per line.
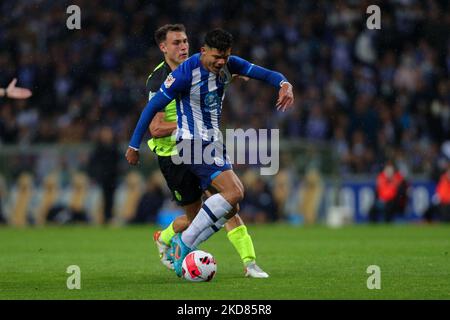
x=198, y=85
x=183, y=184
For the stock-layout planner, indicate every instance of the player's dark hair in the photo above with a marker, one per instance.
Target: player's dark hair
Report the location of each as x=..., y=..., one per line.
x=219, y=39
x=161, y=33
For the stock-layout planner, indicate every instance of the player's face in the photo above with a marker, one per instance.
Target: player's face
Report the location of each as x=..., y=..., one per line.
x=176, y=46
x=213, y=59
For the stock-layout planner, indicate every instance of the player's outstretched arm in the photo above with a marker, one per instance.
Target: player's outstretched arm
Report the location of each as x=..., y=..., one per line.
x=15, y=92
x=276, y=79
x=156, y=104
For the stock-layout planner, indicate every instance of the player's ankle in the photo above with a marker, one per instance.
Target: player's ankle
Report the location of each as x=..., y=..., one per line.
x=249, y=262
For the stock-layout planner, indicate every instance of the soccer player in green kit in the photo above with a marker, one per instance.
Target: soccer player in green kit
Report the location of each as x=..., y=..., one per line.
x=184, y=185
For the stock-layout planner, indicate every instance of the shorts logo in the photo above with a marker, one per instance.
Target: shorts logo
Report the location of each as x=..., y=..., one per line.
x=169, y=80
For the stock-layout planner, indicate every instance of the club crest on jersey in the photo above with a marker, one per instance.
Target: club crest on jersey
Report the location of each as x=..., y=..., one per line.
x=212, y=100
x=169, y=80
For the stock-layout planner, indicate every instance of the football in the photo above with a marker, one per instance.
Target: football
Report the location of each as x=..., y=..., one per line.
x=199, y=266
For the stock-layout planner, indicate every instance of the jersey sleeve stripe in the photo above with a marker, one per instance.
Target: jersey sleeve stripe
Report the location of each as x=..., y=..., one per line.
x=249, y=69
x=165, y=94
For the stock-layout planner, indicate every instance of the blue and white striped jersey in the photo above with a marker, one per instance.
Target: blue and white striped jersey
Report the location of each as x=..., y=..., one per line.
x=199, y=95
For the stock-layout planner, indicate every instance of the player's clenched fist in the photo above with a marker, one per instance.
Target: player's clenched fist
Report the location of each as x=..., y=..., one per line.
x=285, y=97
x=132, y=156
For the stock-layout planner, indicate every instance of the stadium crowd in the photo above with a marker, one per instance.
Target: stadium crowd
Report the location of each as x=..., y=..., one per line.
x=373, y=95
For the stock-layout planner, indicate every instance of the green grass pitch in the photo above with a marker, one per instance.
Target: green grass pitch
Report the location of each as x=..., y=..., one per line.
x=303, y=263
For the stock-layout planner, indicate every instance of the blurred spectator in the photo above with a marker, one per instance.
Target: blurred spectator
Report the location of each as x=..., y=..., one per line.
x=103, y=168
x=127, y=198
x=22, y=201
x=74, y=208
x=258, y=205
x=151, y=201
x=391, y=193
x=311, y=192
x=440, y=161
x=49, y=205
x=3, y=195
x=443, y=195
x=282, y=189
x=8, y=125
x=440, y=209
x=362, y=156
x=78, y=199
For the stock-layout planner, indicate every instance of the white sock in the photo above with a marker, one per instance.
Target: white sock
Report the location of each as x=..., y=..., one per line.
x=214, y=208
x=208, y=232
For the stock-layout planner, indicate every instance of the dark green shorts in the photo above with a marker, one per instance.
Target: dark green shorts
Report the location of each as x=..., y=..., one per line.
x=183, y=184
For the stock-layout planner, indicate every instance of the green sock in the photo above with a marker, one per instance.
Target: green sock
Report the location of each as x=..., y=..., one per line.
x=243, y=243
x=167, y=234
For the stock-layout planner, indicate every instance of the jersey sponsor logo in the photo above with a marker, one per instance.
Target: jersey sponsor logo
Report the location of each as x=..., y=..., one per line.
x=169, y=80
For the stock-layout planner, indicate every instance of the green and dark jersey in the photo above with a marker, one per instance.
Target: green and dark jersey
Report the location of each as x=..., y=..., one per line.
x=165, y=146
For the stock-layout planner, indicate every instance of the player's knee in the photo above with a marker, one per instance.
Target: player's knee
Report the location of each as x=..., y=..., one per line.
x=235, y=195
